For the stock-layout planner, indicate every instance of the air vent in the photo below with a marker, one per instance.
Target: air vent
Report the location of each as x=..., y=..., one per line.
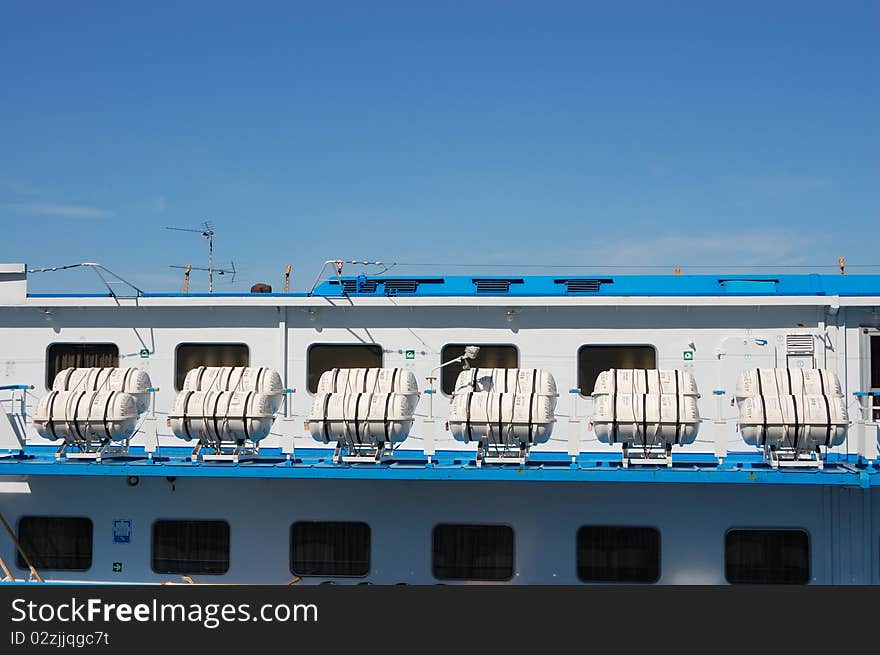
x=358, y=285
x=396, y=287
x=799, y=344
x=494, y=285
x=583, y=284
x=742, y=285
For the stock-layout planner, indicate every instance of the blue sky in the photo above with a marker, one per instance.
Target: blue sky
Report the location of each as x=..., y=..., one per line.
x=490, y=134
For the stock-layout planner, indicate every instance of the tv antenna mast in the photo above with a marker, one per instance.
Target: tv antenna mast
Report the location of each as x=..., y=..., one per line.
x=207, y=231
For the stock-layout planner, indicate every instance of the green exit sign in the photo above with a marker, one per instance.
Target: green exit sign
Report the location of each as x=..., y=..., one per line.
x=688, y=355
x=410, y=354
x=145, y=353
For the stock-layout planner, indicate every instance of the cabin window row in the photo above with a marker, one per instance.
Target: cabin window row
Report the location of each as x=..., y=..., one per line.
x=591, y=359
x=604, y=554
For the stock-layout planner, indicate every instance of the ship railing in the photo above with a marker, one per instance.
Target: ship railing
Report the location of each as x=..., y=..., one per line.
x=13, y=418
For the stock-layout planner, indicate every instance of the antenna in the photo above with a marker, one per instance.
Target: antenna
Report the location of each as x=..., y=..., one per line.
x=219, y=271
x=207, y=231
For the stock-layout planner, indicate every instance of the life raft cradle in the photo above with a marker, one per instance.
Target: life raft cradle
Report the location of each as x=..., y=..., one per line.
x=652, y=454
x=84, y=447
x=793, y=456
x=218, y=450
x=511, y=452
x=350, y=450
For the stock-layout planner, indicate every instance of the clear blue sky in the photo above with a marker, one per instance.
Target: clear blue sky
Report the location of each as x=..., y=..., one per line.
x=496, y=133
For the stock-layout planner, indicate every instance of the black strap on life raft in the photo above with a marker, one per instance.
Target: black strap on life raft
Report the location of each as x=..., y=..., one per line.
x=244, y=411
x=215, y=413
x=183, y=417
x=645, y=411
x=794, y=444
x=677, y=409
x=500, y=417
x=110, y=397
x=531, y=397
x=76, y=414
x=763, y=409
x=388, y=404
x=614, y=410
x=325, y=427
x=357, y=406
x=467, y=423
x=51, y=422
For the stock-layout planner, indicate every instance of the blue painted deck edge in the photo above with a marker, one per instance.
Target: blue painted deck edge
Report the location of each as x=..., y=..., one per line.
x=448, y=465
x=546, y=285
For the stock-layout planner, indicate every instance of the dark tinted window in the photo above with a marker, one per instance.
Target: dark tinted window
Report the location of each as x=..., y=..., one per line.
x=193, y=355
x=79, y=355
x=592, y=360
x=330, y=548
x=326, y=357
x=489, y=357
x=767, y=557
x=610, y=553
x=55, y=543
x=473, y=552
x=191, y=547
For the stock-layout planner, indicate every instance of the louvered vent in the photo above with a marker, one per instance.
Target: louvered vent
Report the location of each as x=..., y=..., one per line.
x=358, y=286
x=583, y=284
x=799, y=344
x=494, y=285
x=396, y=287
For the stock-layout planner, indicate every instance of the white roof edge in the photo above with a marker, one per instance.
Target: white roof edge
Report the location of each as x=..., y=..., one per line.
x=458, y=301
x=13, y=268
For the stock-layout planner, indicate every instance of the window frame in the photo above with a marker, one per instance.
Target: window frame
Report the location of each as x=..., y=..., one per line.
x=177, y=572
x=577, y=359
x=444, y=370
x=47, y=358
x=19, y=561
x=506, y=526
x=652, y=528
x=369, y=558
x=203, y=343
x=803, y=531
x=332, y=344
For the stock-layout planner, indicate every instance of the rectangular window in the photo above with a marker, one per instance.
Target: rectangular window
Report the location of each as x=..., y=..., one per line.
x=875, y=362
x=191, y=547
x=55, y=543
x=326, y=357
x=79, y=355
x=767, y=557
x=610, y=553
x=193, y=355
x=592, y=360
x=490, y=356
x=473, y=552
x=330, y=548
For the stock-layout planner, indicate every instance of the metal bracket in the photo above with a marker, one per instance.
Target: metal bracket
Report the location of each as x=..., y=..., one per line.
x=509, y=454
x=790, y=458
x=361, y=454
x=653, y=456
